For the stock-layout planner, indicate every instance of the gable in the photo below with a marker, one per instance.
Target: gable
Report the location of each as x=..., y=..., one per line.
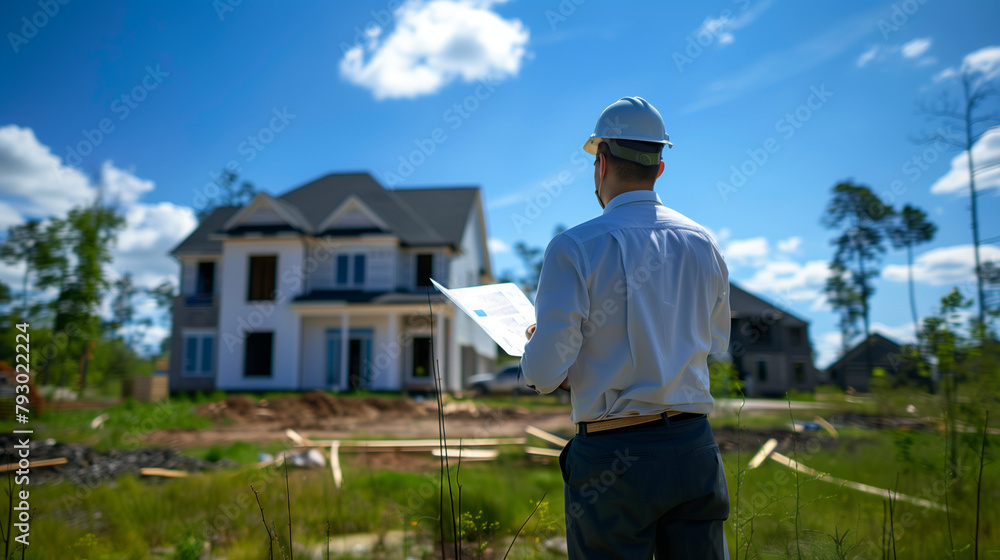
x=353, y=214
x=268, y=214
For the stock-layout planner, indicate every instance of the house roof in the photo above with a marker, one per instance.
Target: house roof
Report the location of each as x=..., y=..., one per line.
x=744, y=304
x=419, y=217
x=198, y=243
x=855, y=352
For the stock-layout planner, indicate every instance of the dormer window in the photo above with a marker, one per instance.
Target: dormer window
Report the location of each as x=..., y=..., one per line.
x=351, y=270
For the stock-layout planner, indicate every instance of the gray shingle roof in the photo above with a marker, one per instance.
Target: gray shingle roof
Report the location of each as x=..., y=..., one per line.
x=198, y=242
x=744, y=304
x=419, y=217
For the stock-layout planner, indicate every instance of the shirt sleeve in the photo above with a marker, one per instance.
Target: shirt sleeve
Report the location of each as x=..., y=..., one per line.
x=562, y=304
x=721, y=317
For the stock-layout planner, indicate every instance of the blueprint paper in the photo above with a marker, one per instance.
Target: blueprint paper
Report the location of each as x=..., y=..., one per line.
x=502, y=310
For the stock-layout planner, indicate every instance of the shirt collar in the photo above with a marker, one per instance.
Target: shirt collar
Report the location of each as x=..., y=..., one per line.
x=632, y=196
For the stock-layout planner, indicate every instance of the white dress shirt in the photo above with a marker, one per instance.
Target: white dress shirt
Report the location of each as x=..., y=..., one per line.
x=629, y=306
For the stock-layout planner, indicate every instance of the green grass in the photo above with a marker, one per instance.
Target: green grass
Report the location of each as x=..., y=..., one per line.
x=129, y=517
x=126, y=424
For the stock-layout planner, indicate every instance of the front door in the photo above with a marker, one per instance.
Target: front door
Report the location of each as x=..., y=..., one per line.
x=359, y=348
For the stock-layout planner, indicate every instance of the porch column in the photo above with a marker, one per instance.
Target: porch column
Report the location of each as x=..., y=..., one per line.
x=394, y=353
x=344, y=348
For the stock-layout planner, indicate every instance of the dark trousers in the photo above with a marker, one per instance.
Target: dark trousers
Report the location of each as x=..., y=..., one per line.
x=658, y=489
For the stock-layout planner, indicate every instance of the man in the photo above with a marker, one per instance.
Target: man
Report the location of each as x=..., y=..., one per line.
x=629, y=306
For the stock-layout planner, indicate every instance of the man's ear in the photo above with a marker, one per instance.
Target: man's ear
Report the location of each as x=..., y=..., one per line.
x=660, y=172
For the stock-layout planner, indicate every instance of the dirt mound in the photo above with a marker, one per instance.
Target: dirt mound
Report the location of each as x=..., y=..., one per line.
x=312, y=410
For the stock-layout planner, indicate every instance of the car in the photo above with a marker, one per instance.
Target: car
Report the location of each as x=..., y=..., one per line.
x=507, y=382
x=504, y=382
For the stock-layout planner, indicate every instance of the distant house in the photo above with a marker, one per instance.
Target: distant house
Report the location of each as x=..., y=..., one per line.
x=769, y=346
x=327, y=287
x=887, y=358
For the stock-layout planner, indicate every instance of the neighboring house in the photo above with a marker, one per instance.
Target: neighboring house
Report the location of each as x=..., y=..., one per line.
x=769, y=346
x=887, y=357
x=327, y=287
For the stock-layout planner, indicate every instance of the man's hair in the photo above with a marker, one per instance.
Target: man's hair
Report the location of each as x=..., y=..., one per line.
x=631, y=171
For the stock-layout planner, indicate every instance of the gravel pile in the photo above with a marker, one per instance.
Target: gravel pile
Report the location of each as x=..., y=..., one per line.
x=85, y=466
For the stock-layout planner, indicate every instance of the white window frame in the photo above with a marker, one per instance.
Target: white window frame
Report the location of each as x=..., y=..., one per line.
x=351, y=272
x=200, y=335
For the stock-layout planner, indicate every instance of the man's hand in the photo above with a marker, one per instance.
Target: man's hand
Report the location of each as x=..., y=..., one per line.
x=529, y=331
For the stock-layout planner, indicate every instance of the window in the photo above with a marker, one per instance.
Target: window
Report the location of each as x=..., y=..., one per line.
x=205, y=285
x=422, y=356
x=795, y=333
x=762, y=370
x=257, y=354
x=359, y=270
x=800, y=371
x=351, y=270
x=261, y=278
x=198, y=354
x=425, y=269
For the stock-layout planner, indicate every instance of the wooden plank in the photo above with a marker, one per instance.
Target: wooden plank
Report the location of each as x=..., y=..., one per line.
x=826, y=425
x=156, y=471
x=889, y=494
x=470, y=454
x=542, y=434
x=33, y=464
x=761, y=455
x=338, y=475
x=543, y=451
x=297, y=438
x=426, y=443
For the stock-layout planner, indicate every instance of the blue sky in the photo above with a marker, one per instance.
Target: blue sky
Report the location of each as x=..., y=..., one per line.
x=769, y=104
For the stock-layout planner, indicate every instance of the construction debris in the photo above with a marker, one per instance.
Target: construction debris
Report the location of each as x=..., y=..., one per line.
x=768, y=452
x=542, y=434
x=155, y=471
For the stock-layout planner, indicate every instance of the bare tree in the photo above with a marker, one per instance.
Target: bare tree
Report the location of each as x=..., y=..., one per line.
x=966, y=114
x=911, y=227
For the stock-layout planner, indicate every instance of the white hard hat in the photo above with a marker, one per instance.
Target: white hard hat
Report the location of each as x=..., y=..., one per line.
x=629, y=118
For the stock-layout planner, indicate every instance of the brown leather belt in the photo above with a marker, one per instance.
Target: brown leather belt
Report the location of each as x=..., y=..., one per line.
x=616, y=423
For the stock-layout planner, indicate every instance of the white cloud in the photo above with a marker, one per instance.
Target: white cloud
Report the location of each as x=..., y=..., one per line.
x=985, y=62
x=946, y=266
x=827, y=348
x=747, y=251
x=902, y=334
x=151, y=231
x=916, y=47
x=721, y=28
x=434, y=43
x=498, y=246
x=121, y=188
x=791, y=280
x=790, y=245
x=34, y=181
x=912, y=50
x=984, y=152
x=36, y=184
x=867, y=56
